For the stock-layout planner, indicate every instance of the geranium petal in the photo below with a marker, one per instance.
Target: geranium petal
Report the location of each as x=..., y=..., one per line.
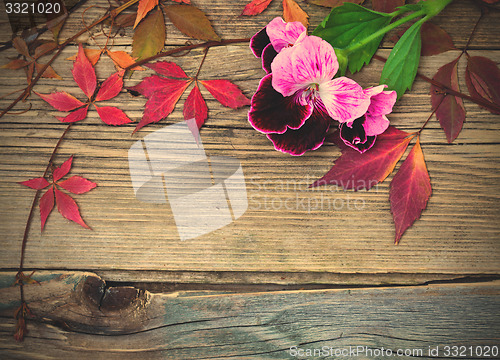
x=309, y=137
x=375, y=125
x=268, y=56
x=354, y=135
x=283, y=34
x=382, y=102
x=258, y=42
x=270, y=112
x=344, y=99
x=312, y=61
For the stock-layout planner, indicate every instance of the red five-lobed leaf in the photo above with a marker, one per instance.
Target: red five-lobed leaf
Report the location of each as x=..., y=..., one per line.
x=435, y=40
x=61, y=100
x=449, y=109
x=353, y=170
x=68, y=208
x=482, y=76
x=226, y=93
x=112, y=115
x=387, y=6
x=255, y=7
x=84, y=73
x=74, y=116
x=410, y=190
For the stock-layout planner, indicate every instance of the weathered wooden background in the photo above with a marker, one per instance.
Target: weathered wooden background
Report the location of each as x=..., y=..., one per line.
x=315, y=242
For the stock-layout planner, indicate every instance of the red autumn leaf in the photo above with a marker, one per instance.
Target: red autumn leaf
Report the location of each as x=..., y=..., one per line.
x=195, y=107
x=37, y=183
x=410, y=190
x=387, y=6
x=151, y=84
x=62, y=170
x=144, y=7
x=68, y=208
x=84, y=73
x=61, y=100
x=112, y=115
x=336, y=3
x=46, y=205
x=482, y=77
x=450, y=109
x=292, y=12
x=74, y=116
x=435, y=40
x=169, y=69
x=77, y=184
x=353, y=170
x=191, y=21
x=255, y=7
x=162, y=102
x=111, y=87
x=226, y=93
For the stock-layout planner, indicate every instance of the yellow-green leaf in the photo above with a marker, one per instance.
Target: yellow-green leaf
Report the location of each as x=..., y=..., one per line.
x=149, y=36
x=191, y=21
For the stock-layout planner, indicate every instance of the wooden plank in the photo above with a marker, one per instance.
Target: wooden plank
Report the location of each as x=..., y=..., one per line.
x=75, y=312
x=324, y=231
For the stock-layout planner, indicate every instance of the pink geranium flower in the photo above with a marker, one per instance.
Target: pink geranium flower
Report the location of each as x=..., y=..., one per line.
x=276, y=36
x=361, y=133
x=295, y=104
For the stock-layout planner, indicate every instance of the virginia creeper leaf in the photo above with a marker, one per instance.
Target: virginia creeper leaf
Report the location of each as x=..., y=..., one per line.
x=15, y=64
x=482, y=77
x=20, y=45
x=61, y=100
x=92, y=54
x=110, y=87
x=84, y=73
x=353, y=170
x=48, y=73
x=37, y=183
x=162, y=102
x=167, y=68
x=74, y=116
x=149, y=36
x=62, y=170
x=191, y=21
x=226, y=93
x=144, y=7
x=348, y=24
x=112, y=115
x=44, y=49
x=255, y=7
x=195, y=107
x=292, y=12
x=46, y=205
x=333, y=3
x=387, y=6
x=401, y=67
x=450, y=109
x=55, y=20
x=122, y=59
x=435, y=40
x=152, y=84
x=68, y=208
x=77, y=184
x=410, y=190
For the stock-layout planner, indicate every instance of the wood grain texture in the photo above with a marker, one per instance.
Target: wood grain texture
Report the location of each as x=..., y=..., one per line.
x=77, y=314
x=287, y=228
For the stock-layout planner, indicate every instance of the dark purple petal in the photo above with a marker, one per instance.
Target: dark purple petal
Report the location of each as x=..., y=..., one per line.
x=268, y=56
x=309, y=137
x=271, y=112
x=258, y=42
x=355, y=137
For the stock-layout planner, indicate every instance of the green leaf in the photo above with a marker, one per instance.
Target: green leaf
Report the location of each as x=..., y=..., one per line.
x=349, y=24
x=401, y=67
x=149, y=36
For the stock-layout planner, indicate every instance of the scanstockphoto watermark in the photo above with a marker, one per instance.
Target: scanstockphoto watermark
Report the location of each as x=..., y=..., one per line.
x=298, y=195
